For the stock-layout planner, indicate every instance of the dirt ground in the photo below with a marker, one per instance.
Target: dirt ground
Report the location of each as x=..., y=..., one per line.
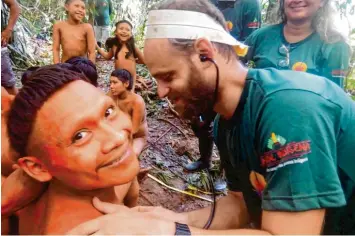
x=171, y=144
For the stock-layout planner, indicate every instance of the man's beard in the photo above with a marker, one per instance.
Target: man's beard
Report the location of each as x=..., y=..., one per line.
x=199, y=97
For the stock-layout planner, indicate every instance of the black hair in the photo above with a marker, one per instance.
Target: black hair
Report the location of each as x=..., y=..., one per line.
x=124, y=76
x=44, y=82
x=86, y=66
x=69, y=1
x=115, y=41
x=26, y=76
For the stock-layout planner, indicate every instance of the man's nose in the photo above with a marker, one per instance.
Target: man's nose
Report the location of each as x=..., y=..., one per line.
x=163, y=90
x=112, y=138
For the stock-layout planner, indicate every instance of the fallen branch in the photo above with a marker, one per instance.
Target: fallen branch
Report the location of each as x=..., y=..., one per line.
x=178, y=190
x=174, y=126
x=153, y=143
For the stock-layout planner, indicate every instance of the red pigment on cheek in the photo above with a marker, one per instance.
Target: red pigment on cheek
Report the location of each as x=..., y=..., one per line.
x=55, y=159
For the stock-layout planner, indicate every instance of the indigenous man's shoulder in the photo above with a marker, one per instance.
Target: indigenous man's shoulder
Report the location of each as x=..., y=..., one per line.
x=138, y=100
x=87, y=26
x=60, y=23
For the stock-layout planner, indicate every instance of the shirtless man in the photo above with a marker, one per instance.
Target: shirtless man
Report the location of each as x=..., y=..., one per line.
x=84, y=150
x=74, y=37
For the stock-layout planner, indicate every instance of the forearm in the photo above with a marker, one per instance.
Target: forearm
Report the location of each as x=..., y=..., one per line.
x=14, y=14
x=231, y=213
x=102, y=52
x=196, y=231
x=92, y=56
x=56, y=56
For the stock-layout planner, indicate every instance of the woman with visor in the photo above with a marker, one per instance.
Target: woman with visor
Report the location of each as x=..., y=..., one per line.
x=305, y=40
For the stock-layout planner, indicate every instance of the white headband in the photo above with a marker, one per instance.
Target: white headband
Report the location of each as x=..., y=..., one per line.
x=180, y=24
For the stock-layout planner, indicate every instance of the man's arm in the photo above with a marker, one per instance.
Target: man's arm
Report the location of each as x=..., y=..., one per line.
x=56, y=43
x=91, y=43
x=231, y=213
x=107, y=55
x=308, y=222
x=140, y=130
x=14, y=14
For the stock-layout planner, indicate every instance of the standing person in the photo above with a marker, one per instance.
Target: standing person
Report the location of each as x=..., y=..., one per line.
x=243, y=16
x=75, y=38
x=285, y=138
x=305, y=40
x=8, y=80
x=100, y=17
x=122, y=47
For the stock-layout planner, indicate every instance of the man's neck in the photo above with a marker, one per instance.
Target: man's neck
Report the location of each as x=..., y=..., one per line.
x=61, y=208
x=295, y=32
x=71, y=21
x=231, y=85
x=59, y=189
x=123, y=96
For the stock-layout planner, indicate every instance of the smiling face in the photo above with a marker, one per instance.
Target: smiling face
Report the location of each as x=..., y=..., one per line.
x=76, y=9
x=181, y=77
x=124, y=32
x=301, y=10
x=83, y=139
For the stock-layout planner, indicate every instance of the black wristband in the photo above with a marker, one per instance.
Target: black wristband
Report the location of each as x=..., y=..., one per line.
x=182, y=229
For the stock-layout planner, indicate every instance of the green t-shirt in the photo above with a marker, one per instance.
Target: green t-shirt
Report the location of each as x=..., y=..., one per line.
x=311, y=55
x=290, y=147
x=102, y=12
x=244, y=18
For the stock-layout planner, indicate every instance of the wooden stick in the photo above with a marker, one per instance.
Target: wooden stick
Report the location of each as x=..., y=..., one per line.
x=178, y=190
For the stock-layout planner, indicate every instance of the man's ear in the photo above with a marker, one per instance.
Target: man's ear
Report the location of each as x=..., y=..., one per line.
x=6, y=100
x=35, y=168
x=204, y=47
x=126, y=84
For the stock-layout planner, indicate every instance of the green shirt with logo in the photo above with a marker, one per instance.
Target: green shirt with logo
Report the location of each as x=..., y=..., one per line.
x=290, y=147
x=102, y=11
x=243, y=18
x=269, y=48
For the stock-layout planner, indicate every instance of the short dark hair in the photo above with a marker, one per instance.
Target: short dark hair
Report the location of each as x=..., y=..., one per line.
x=202, y=6
x=69, y=1
x=85, y=66
x=44, y=82
x=124, y=76
x=26, y=76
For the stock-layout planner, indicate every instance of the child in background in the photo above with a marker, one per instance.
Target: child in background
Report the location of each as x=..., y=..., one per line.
x=123, y=49
x=74, y=37
x=121, y=83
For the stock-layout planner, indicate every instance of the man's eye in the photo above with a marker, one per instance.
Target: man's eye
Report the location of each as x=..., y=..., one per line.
x=79, y=136
x=109, y=111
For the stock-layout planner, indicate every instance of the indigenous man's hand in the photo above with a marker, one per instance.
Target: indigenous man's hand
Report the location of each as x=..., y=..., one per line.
x=162, y=213
x=5, y=36
x=122, y=220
